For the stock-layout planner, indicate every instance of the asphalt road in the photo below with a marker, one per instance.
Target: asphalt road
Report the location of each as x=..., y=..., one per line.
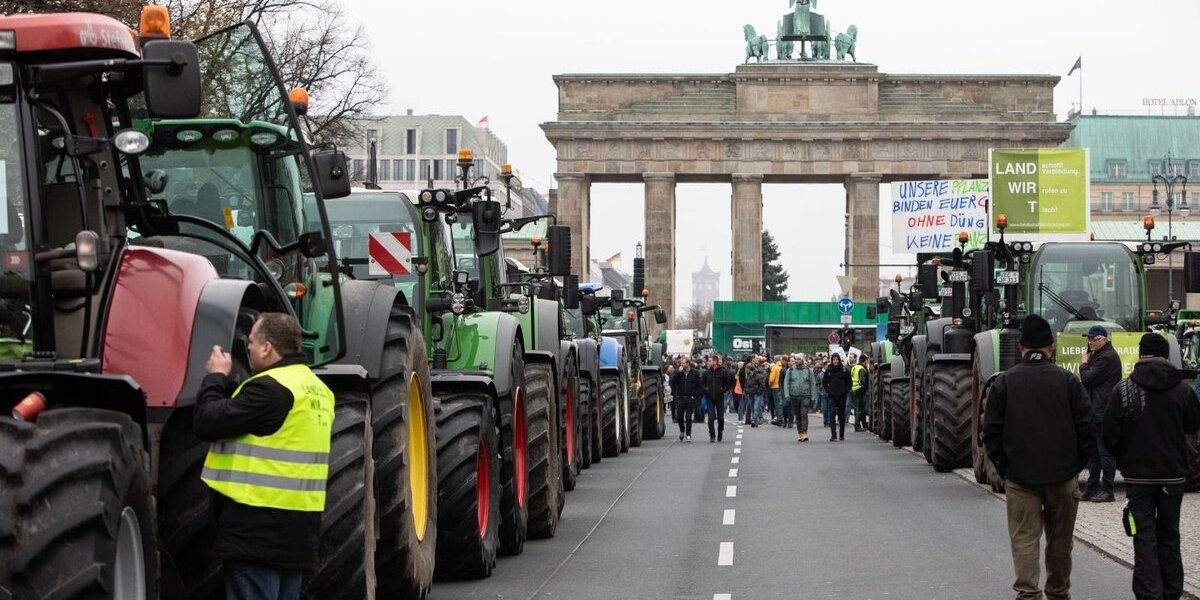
x=847, y=520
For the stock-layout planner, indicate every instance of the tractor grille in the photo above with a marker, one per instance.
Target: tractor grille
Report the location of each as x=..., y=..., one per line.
x=1010, y=349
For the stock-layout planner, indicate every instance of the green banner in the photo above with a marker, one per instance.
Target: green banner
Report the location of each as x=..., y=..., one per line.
x=1071, y=347
x=1043, y=192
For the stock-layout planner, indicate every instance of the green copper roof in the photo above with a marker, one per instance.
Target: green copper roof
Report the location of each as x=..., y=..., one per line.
x=1131, y=231
x=1137, y=140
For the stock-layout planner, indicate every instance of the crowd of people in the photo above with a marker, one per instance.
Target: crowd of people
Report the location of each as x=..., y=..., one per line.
x=787, y=389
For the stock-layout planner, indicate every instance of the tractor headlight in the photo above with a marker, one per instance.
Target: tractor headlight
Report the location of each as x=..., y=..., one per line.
x=225, y=135
x=1157, y=248
x=264, y=139
x=458, y=303
x=189, y=136
x=429, y=213
x=275, y=268
x=131, y=141
x=426, y=197
x=523, y=305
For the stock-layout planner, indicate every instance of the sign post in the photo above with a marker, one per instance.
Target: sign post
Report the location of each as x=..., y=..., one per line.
x=1044, y=192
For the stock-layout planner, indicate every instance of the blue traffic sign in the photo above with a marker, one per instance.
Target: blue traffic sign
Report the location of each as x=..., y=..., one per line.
x=845, y=305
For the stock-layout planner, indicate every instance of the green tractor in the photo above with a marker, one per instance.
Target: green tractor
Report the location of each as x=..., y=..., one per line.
x=891, y=400
x=645, y=405
x=583, y=325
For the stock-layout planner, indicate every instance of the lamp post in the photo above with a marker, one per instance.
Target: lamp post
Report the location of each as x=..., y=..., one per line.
x=1170, y=181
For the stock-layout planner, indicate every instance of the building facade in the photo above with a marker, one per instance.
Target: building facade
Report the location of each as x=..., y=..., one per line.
x=706, y=285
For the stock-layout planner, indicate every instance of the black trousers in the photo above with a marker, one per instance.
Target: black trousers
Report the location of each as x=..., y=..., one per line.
x=684, y=405
x=1157, y=565
x=716, y=412
x=837, y=416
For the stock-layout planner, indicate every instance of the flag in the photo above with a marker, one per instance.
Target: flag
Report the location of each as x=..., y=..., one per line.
x=483, y=122
x=1078, y=66
x=612, y=261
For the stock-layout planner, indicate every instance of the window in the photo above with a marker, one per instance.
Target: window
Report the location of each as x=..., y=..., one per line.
x=1116, y=169
x=1127, y=201
x=1156, y=167
x=410, y=167
x=1176, y=168
x=410, y=141
x=451, y=141
x=383, y=170
x=1106, y=201
x=451, y=169
x=1176, y=199
x=1194, y=171
x=437, y=170
x=425, y=172
x=477, y=169
x=398, y=170
x=358, y=168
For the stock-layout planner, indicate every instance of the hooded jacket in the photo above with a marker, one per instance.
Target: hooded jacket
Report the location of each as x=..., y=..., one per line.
x=715, y=382
x=1145, y=424
x=1099, y=375
x=800, y=383
x=837, y=380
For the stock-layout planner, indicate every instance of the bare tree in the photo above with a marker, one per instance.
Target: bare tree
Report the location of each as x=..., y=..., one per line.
x=695, y=317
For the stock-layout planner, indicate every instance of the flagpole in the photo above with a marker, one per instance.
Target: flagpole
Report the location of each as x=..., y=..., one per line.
x=1081, y=84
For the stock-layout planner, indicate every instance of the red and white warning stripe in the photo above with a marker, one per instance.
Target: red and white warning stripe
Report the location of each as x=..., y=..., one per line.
x=389, y=253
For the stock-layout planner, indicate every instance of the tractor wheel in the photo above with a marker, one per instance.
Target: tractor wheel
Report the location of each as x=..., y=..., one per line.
x=899, y=402
x=185, y=526
x=636, y=414
x=341, y=570
x=405, y=460
x=951, y=409
x=978, y=454
x=1193, y=479
x=610, y=414
x=545, y=473
x=570, y=432
x=654, y=420
x=623, y=419
x=514, y=464
x=917, y=384
x=885, y=408
x=925, y=423
x=874, y=409
x=468, y=491
x=589, y=411
x=78, y=518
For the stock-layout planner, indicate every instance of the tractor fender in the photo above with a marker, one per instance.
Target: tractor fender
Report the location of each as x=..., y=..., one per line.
x=458, y=381
x=897, y=368
x=366, y=308
x=588, y=357
x=216, y=323
x=920, y=346
x=489, y=335
x=66, y=389
x=985, y=350
x=934, y=330
x=344, y=377
x=545, y=326
x=657, y=350
x=876, y=352
x=612, y=353
x=945, y=358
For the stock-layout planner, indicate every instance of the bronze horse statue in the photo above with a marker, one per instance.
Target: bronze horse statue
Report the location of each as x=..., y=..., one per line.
x=845, y=43
x=756, y=45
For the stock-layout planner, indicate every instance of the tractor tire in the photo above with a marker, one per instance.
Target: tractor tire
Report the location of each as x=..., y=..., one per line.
x=1193, y=479
x=978, y=454
x=623, y=417
x=405, y=461
x=899, y=402
x=545, y=473
x=571, y=430
x=875, y=408
x=885, y=409
x=610, y=414
x=916, y=433
x=514, y=464
x=951, y=410
x=185, y=526
x=654, y=419
x=924, y=424
x=341, y=570
x=468, y=490
x=635, y=411
x=589, y=413
x=77, y=518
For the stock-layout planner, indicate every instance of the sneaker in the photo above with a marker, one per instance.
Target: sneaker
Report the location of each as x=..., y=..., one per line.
x=754, y=424
x=720, y=435
x=841, y=438
x=804, y=437
x=833, y=439
x=681, y=437
x=1104, y=497
x=689, y=438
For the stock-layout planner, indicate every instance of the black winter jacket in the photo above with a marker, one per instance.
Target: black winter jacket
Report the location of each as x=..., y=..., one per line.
x=1038, y=426
x=686, y=383
x=754, y=380
x=1099, y=374
x=271, y=536
x=716, y=382
x=837, y=381
x=1147, y=418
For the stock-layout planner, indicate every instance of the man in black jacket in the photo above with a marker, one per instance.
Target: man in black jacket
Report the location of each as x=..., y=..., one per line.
x=1099, y=370
x=685, y=393
x=1145, y=426
x=716, y=381
x=278, y=421
x=1038, y=432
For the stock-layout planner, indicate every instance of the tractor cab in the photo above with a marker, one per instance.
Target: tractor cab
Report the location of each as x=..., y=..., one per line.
x=1075, y=285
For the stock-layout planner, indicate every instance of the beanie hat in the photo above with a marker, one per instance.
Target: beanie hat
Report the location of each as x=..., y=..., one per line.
x=1154, y=344
x=1035, y=332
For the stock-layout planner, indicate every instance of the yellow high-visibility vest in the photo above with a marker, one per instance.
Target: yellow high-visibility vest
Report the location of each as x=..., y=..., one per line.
x=287, y=469
x=855, y=377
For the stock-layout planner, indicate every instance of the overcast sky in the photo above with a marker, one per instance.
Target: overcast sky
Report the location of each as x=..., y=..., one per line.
x=477, y=58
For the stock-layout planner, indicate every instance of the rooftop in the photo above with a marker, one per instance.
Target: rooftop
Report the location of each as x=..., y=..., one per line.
x=1137, y=140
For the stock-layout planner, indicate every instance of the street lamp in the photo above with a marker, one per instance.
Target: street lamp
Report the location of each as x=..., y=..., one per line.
x=1169, y=182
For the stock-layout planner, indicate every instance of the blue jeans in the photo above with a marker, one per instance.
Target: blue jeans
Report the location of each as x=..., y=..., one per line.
x=1101, y=464
x=252, y=581
x=777, y=403
x=751, y=409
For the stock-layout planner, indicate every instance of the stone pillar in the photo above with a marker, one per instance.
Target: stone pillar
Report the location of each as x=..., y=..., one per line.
x=862, y=204
x=574, y=209
x=659, y=245
x=747, y=228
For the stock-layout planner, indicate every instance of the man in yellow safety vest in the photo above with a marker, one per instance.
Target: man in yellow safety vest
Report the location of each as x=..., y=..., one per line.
x=858, y=391
x=267, y=462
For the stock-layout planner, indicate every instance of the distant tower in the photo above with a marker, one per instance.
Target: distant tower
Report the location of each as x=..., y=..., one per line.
x=706, y=285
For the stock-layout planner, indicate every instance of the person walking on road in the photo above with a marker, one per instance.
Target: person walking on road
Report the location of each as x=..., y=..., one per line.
x=716, y=382
x=1039, y=434
x=756, y=388
x=837, y=386
x=267, y=461
x=1100, y=370
x=1145, y=426
x=800, y=385
x=822, y=395
x=686, y=390
x=858, y=392
x=775, y=394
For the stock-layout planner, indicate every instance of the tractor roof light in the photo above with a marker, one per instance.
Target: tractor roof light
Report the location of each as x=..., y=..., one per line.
x=963, y=237
x=131, y=141
x=899, y=278
x=155, y=23
x=189, y=136
x=645, y=292
x=1001, y=222
x=1148, y=222
x=264, y=139
x=1092, y=236
x=298, y=96
x=225, y=135
x=535, y=241
x=465, y=156
x=8, y=40
x=506, y=170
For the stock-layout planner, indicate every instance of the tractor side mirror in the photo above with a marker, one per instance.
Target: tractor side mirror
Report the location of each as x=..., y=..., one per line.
x=559, y=238
x=171, y=82
x=486, y=215
x=1191, y=272
x=570, y=295
x=312, y=244
x=983, y=272
x=660, y=316
x=587, y=306
x=333, y=179
x=914, y=301
x=616, y=306
x=871, y=314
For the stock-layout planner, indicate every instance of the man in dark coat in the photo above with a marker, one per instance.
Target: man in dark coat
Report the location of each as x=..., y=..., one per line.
x=837, y=385
x=1100, y=370
x=1146, y=423
x=1038, y=432
x=716, y=381
x=685, y=393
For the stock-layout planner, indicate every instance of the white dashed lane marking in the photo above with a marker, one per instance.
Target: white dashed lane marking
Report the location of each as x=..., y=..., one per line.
x=722, y=596
x=725, y=556
x=738, y=443
x=730, y=516
x=735, y=460
x=737, y=450
x=733, y=472
x=731, y=491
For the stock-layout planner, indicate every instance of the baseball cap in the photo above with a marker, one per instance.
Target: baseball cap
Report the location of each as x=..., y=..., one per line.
x=1096, y=330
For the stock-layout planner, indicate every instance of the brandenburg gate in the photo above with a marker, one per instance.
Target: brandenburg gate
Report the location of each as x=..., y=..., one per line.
x=782, y=122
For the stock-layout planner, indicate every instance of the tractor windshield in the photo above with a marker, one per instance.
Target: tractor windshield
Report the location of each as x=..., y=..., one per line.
x=462, y=237
x=575, y=322
x=14, y=278
x=1098, y=280
x=362, y=222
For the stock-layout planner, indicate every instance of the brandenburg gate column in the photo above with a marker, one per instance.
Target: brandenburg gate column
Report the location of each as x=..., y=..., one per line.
x=574, y=209
x=660, y=241
x=747, y=228
x=862, y=204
